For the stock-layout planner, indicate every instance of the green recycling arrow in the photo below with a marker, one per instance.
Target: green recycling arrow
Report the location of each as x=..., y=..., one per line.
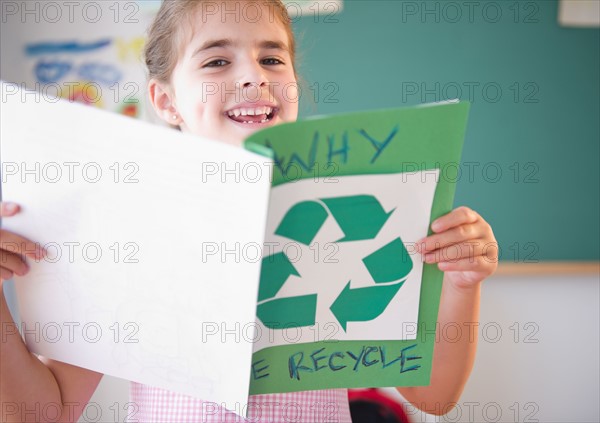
x=359, y=216
x=302, y=222
x=362, y=304
x=390, y=263
x=275, y=270
x=291, y=312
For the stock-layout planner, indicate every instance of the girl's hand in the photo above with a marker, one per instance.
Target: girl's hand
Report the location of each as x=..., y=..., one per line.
x=464, y=247
x=13, y=248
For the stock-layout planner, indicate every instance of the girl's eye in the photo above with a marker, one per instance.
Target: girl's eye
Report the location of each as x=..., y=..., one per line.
x=272, y=61
x=216, y=63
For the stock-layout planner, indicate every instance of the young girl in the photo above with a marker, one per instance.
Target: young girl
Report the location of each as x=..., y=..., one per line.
x=194, y=47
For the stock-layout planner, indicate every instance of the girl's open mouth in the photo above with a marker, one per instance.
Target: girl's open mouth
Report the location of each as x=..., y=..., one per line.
x=252, y=115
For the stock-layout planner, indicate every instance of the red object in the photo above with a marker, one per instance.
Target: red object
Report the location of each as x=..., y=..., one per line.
x=369, y=404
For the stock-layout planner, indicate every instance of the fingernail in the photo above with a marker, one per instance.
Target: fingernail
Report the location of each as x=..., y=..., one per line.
x=9, y=208
x=23, y=270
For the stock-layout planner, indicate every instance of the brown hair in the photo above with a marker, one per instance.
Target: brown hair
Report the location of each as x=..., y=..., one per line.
x=165, y=35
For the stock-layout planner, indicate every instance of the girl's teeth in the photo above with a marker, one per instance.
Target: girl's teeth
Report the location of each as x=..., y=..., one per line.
x=258, y=111
x=251, y=112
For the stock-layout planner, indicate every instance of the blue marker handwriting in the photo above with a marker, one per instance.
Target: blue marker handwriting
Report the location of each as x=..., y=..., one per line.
x=335, y=150
x=305, y=362
x=72, y=47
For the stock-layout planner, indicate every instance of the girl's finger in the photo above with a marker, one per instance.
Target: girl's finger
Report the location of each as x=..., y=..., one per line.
x=9, y=209
x=452, y=236
x=457, y=217
x=479, y=264
x=13, y=263
x=462, y=251
x=14, y=243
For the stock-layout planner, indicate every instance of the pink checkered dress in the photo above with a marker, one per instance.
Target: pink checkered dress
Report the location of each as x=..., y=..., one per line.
x=154, y=405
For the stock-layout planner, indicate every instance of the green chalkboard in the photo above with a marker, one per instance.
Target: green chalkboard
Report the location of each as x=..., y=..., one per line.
x=530, y=164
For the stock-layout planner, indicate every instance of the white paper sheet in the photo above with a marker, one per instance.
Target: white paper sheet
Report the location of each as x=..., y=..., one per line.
x=125, y=210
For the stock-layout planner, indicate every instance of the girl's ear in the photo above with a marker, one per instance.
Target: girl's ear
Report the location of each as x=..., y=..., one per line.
x=163, y=101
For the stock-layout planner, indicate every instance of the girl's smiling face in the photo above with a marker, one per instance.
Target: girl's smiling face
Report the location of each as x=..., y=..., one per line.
x=233, y=77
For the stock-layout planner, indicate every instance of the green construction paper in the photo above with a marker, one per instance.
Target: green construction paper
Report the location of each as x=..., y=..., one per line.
x=373, y=142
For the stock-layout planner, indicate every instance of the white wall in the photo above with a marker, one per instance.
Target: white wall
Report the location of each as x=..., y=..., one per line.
x=556, y=378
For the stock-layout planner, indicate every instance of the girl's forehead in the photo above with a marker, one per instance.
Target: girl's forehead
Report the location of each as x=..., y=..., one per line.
x=235, y=23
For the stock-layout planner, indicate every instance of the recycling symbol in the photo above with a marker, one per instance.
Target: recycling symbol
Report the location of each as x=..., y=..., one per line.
x=360, y=217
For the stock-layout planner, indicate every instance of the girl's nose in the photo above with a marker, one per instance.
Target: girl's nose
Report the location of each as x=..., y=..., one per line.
x=254, y=84
x=253, y=75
